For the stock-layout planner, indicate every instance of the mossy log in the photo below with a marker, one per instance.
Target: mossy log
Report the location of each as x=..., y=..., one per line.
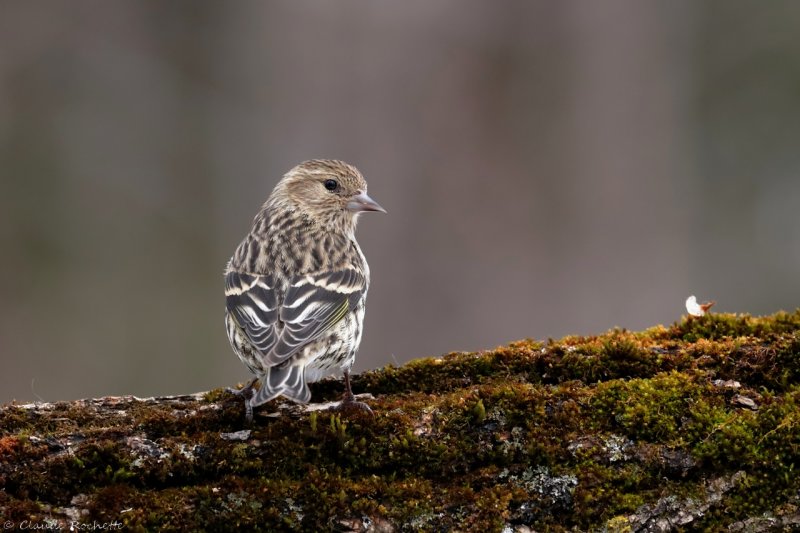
x=695, y=426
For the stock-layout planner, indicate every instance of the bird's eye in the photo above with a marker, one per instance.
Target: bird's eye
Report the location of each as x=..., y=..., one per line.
x=331, y=185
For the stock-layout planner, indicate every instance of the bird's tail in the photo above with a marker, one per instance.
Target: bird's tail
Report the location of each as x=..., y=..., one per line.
x=287, y=379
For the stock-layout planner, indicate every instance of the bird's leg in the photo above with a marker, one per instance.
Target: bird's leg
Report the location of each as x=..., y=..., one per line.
x=245, y=392
x=349, y=400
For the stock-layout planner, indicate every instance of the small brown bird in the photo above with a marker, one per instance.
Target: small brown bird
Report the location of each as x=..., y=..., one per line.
x=296, y=286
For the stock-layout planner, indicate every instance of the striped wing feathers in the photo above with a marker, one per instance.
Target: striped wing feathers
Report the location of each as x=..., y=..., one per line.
x=313, y=303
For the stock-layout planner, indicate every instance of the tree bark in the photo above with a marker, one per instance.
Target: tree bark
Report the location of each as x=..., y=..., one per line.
x=695, y=426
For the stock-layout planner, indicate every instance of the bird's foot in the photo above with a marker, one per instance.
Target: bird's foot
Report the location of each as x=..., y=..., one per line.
x=350, y=404
x=247, y=392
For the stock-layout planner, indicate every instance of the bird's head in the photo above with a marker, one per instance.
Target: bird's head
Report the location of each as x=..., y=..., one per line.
x=329, y=191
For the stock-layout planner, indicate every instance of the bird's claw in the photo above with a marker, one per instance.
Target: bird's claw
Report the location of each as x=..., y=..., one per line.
x=246, y=393
x=349, y=403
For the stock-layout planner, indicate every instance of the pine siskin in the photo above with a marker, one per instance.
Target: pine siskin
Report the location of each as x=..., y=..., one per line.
x=295, y=287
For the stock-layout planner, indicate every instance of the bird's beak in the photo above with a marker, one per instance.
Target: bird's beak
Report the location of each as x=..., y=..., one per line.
x=361, y=202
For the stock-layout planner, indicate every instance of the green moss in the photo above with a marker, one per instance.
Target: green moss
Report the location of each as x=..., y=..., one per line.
x=479, y=412
x=647, y=409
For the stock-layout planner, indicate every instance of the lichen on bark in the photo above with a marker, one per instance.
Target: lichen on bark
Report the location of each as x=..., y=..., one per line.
x=691, y=426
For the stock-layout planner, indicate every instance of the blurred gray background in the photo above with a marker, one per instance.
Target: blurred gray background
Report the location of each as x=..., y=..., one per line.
x=549, y=168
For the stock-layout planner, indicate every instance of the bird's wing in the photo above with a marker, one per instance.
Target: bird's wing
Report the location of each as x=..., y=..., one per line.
x=312, y=304
x=252, y=302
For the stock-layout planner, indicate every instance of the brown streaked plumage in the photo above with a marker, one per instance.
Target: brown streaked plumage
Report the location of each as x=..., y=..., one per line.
x=296, y=286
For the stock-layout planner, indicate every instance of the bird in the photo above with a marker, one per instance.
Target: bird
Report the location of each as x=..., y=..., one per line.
x=296, y=286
